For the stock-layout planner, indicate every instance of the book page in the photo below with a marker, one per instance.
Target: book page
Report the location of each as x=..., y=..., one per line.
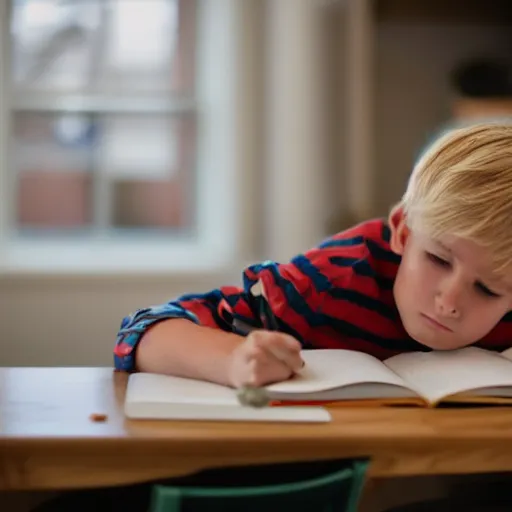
x=507, y=354
x=155, y=388
x=327, y=369
x=438, y=374
x=152, y=396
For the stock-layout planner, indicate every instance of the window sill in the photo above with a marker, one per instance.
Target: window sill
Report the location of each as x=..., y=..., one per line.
x=188, y=282
x=137, y=255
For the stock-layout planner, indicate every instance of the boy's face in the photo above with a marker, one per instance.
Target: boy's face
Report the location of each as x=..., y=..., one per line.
x=444, y=290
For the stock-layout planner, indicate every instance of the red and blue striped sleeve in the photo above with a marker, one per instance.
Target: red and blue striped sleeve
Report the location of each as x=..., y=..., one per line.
x=293, y=290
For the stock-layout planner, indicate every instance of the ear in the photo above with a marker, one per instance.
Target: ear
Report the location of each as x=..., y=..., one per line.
x=399, y=230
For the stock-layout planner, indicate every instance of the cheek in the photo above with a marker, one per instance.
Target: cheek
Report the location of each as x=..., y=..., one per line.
x=418, y=274
x=486, y=316
x=413, y=287
x=481, y=317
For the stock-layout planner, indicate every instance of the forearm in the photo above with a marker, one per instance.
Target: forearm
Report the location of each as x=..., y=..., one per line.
x=183, y=348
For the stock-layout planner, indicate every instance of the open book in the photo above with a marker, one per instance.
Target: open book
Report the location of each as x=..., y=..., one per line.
x=467, y=375
x=335, y=377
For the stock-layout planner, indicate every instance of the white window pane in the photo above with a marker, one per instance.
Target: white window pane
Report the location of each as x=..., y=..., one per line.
x=140, y=43
x=103, y=45
x=54, y=42
x=53, y=143
x=141, y=36
x=139, y=147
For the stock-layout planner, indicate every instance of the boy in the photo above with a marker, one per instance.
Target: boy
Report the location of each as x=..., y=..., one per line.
x=437, y=275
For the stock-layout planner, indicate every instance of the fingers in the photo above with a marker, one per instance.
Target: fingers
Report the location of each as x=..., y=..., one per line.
x=265, y=357
x=264, y=369
x=282, y=347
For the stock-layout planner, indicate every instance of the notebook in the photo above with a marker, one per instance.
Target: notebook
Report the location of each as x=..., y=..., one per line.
x=330, y=378
x=164, y=397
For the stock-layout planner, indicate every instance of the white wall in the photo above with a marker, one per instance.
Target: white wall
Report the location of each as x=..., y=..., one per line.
x=74, y=321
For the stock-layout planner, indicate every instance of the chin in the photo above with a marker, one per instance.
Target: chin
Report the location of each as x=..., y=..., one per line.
x=438, y=346
x=432, y=341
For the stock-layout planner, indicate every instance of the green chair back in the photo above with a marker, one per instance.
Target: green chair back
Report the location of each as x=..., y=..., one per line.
x=336, y=491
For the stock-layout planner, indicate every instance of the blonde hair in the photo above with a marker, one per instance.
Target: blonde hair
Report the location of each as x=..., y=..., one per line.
x=462, y=186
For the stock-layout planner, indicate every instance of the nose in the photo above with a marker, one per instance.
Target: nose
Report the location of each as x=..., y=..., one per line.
x=448, y=298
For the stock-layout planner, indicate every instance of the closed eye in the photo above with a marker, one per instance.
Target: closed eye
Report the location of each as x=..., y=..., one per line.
x=440, y=262
x=485, y=291
x=437, y=260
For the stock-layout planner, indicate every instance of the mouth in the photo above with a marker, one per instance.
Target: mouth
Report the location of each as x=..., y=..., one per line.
x=434, y=323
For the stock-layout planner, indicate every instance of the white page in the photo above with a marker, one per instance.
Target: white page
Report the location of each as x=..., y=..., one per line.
x=333, y=368
x=507, y=354
x=155, y=388
x=165, y=397
x=438, y=374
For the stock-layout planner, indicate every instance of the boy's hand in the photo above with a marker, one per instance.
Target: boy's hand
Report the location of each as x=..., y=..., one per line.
x=264, y=357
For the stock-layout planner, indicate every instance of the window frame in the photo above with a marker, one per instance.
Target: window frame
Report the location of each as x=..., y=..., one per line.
x=214, y=248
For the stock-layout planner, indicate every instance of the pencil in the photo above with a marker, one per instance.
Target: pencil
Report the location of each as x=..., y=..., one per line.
x=255, y=396
x=266, y=314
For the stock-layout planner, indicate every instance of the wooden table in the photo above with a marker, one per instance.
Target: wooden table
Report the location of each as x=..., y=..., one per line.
x=48, y=441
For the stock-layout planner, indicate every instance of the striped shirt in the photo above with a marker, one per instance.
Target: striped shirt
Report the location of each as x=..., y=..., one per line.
x=336, y=295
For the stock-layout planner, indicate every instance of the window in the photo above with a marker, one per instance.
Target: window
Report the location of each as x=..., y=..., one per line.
x=117, y=136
